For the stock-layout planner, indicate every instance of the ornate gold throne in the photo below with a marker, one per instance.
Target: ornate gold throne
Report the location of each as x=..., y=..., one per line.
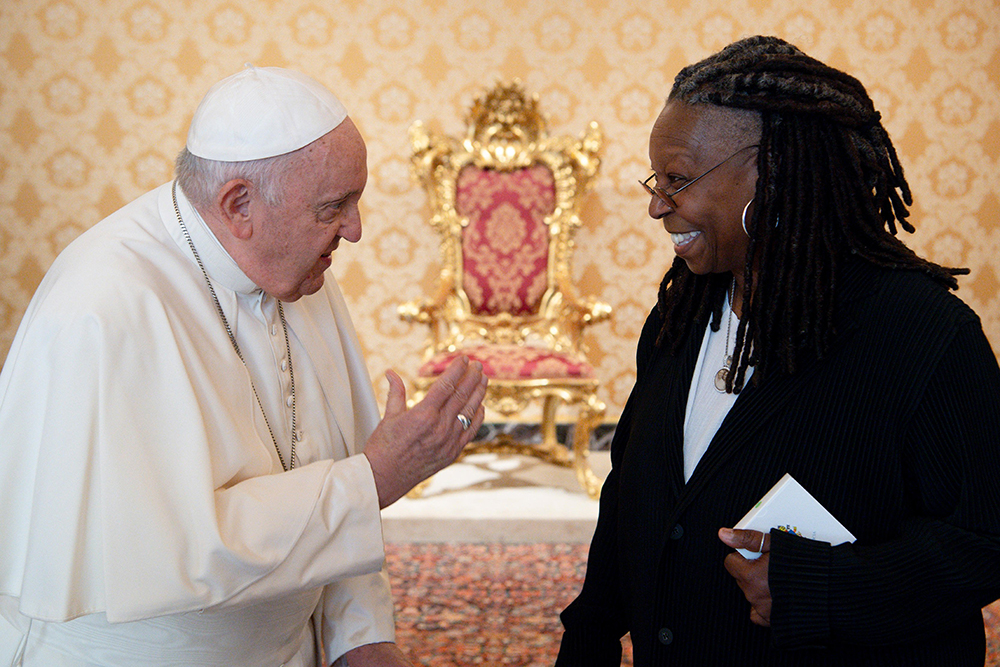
x=505, y=202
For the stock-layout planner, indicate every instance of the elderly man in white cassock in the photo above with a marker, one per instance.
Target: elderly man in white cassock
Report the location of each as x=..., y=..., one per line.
x=191, y=459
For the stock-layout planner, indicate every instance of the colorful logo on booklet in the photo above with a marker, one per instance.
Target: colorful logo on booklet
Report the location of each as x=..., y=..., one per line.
x=794, y=530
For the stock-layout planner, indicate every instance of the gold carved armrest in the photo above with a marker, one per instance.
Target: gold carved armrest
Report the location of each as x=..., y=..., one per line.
x=567, y=308
x=592, y=311
x=564, y=316
x=582, y=313
x=444, y=314
x=424, y=311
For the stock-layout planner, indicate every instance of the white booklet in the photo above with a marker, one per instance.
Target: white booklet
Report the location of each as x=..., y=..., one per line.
x=789, y=507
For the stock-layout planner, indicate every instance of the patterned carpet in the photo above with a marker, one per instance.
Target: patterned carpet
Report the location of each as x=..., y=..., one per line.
x=493, y=605
x=483, y=604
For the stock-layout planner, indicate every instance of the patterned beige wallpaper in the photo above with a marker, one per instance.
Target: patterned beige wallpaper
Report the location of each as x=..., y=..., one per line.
x=96, y=95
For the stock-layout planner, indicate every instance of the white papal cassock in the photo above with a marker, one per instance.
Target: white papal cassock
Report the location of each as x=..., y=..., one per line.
x=144, y=515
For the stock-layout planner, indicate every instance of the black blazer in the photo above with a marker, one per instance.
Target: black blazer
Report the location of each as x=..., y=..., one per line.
x=896, y=432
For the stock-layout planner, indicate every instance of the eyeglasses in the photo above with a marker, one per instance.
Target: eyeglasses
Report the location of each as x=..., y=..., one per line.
x=668, y=197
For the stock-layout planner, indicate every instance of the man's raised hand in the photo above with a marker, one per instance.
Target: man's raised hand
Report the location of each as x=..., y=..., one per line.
x=410, y=445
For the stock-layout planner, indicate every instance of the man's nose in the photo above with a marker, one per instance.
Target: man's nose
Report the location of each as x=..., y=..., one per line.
x=351, y=230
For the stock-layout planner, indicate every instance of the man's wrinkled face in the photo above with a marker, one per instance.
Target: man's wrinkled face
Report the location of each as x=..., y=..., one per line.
x=293, y=241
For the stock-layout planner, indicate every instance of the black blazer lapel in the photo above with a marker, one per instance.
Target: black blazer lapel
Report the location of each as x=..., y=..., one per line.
x=755, y=406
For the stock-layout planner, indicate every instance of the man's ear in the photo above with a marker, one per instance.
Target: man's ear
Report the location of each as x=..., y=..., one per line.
x=233, y=204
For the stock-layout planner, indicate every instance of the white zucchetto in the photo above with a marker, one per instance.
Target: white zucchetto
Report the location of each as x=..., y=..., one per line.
x=262, y=112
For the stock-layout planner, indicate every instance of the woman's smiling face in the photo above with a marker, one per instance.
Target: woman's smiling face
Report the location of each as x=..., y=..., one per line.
x=687, y=141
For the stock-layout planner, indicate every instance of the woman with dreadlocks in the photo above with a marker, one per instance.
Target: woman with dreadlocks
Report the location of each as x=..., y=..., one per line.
x=794, y=333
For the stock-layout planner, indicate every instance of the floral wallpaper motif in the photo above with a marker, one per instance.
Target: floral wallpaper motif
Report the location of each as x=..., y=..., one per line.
x=96, y=95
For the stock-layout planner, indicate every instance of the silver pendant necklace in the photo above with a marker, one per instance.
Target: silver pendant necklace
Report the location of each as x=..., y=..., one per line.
x=236, y=347
x=727, y=359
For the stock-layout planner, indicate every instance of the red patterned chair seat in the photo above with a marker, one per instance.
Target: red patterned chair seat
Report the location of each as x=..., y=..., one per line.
x=514, y=362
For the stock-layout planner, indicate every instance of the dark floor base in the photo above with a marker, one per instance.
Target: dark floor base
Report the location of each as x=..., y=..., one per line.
x=600, y=439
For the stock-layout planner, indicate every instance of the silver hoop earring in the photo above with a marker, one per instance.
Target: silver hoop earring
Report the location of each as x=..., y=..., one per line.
x=744, y=218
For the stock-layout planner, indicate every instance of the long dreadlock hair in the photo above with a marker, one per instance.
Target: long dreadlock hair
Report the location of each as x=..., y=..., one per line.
x=829, y=186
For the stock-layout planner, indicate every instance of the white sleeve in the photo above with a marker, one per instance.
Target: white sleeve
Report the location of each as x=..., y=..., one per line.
x=355, y=612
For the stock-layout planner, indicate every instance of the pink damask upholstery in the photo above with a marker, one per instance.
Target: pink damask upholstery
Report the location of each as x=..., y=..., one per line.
x=505, y=245
x=514, y=362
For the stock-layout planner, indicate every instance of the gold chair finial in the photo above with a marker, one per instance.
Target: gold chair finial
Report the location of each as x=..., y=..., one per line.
x=506, y=113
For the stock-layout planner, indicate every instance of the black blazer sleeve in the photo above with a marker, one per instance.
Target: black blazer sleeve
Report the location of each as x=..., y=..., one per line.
x=944, y=563
x=595, y=621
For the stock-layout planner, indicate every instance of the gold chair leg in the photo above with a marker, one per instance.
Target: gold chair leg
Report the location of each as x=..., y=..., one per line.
x=551, y=449
x=549, y=441
x=590, y=415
